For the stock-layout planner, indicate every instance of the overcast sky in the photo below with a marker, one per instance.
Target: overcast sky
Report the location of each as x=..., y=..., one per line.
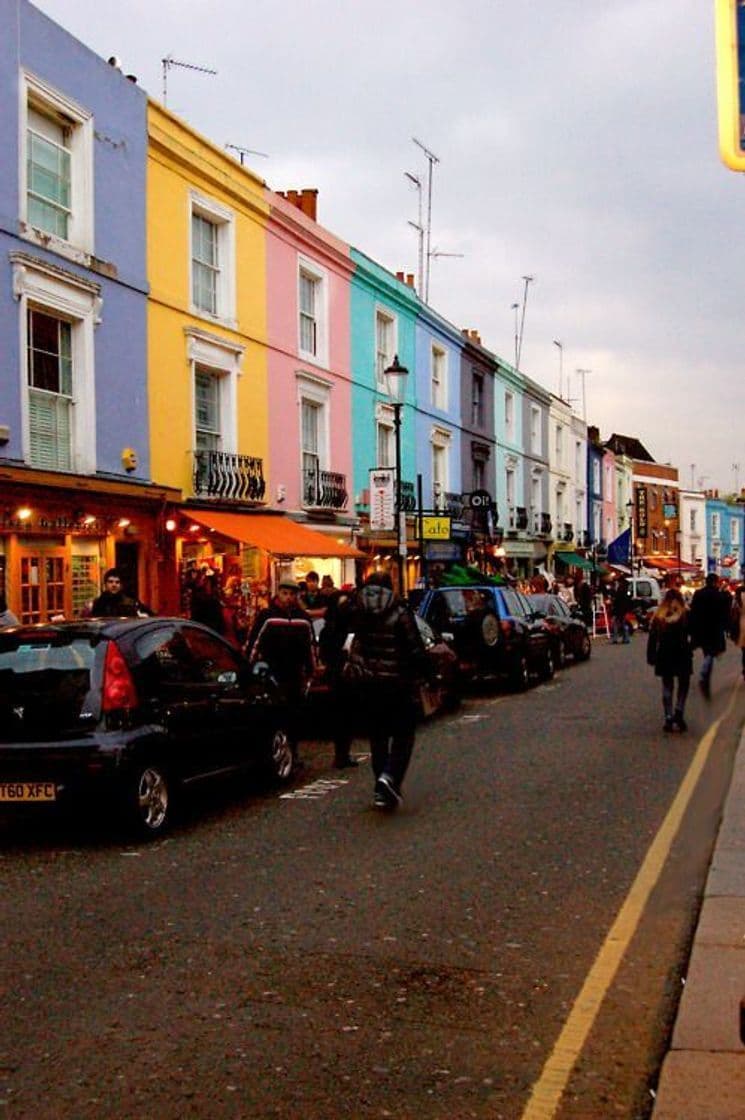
x=577, y=143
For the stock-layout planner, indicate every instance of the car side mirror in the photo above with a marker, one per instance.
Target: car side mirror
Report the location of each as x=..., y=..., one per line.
x=261, y=670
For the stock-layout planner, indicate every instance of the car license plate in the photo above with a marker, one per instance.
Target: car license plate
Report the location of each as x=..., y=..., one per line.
x=28, y=791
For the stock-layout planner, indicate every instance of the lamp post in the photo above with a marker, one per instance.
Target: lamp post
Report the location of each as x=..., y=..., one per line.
x=396, y=375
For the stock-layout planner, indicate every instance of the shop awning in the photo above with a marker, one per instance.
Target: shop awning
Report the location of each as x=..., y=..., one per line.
x=574, y=560
x=279, y=534
x=670, y=564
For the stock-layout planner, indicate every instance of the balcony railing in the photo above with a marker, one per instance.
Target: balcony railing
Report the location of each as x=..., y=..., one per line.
x=521, y=517
x=324, y=489
x=227, y=475
x=584, y=540
x=567, y=532
x=546, y=525
x=408, y=496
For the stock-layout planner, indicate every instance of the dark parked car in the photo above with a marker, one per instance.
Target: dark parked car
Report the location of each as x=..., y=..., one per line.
x=492, y=630
x=570, y=636
x=130, y=711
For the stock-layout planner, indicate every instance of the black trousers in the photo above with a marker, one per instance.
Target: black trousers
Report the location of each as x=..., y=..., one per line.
x=391, y=718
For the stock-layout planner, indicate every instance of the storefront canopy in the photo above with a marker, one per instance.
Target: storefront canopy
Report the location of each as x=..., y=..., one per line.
x=670, y=564
x=574, y=560
x=278, y=534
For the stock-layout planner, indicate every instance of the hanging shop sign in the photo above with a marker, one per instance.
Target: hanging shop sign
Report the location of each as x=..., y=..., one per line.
x=382, y=499
x=641, y=512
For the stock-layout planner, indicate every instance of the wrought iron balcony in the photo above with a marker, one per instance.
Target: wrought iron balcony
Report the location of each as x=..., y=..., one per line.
x=568, y=532
x=408, y=496
x=546, y=525
x=584, y=540
x=324, y=489
x=453, y=505
x=227, y=475
x=521, y=517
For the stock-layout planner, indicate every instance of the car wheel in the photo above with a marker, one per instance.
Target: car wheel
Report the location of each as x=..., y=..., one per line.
x=585, y=648
x=561, y=654
x=490, y=629
x=549, y=667
x=519, y=676
x=147, y=800
x=281, y=760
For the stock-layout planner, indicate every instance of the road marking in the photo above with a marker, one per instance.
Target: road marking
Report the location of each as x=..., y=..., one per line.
x=546, y=1094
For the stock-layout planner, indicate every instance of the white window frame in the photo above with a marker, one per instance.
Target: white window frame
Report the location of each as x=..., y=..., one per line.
x=439, y=376
x=440, y=440
x=559, y=445
x=317, y=392
x=382, y=362
x=384, y=421
x=50, y=102
x=715, y=526
x=319, y=276
x=535, y=429
x=734, y=530
x=54, y=291
x=223, y=359
x=509, y=416
x=223, y=218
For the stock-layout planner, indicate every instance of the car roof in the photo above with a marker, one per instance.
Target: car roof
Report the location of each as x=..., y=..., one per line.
x=86, y=627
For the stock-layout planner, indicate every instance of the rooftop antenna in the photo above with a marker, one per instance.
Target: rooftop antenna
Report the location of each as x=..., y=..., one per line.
x=432, y=159
x=516, y=307
x=528, y=280
x=439, y=253
x=693, y=472
x=245, y=152
x=417, y=225
x=582, y=373
x=170, y=61
x=736, y=472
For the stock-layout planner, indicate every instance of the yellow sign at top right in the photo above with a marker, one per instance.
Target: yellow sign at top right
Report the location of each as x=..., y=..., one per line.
x=730, y=34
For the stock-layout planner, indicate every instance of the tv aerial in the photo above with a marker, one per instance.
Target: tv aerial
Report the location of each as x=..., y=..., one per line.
x=170, y=61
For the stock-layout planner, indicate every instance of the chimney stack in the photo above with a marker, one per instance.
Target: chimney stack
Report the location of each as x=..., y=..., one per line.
x=306, y=200
x=410, y=279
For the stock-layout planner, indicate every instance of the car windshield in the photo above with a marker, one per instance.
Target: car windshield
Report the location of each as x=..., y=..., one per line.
x=45, y=678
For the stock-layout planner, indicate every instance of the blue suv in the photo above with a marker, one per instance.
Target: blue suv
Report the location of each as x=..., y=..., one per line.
x=493, y=630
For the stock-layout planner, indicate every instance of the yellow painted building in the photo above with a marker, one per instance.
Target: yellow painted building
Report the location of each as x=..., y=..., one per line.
x=207, y=322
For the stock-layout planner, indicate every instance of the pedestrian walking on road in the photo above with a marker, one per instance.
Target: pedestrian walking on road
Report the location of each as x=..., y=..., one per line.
x=738, y=623
x=709, y=623
x=620, y=607
x=669, y=651
x=387, y=663
x=331, y=646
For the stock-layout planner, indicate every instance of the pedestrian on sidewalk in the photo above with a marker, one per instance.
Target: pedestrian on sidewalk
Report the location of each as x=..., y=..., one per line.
x=709, y=623
x=387, y=663
x=669, y=651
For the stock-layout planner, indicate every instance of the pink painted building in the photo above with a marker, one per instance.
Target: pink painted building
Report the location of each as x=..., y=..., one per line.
x=309, y=272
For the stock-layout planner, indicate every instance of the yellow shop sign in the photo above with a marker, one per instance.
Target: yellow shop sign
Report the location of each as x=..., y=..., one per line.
x=436, y=528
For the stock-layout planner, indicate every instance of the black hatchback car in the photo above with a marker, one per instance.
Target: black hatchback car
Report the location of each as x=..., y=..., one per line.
x=493, y=631
x=131, y=711
x=570, y=635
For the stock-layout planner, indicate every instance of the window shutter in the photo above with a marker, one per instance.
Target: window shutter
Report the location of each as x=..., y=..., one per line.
x=49, y=430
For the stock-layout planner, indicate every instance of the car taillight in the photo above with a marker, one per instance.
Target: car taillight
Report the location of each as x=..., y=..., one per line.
x=118, y=687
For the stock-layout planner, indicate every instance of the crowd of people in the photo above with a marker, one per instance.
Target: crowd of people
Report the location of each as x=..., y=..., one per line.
x=374, y=658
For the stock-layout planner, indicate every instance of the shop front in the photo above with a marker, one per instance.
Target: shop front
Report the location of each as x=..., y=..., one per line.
x=58, y=534
x=248, y=554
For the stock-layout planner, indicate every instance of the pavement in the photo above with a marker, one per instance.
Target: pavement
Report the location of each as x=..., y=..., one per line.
x=703, y=1075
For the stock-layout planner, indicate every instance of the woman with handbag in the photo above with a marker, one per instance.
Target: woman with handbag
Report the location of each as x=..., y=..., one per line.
x=669, y=651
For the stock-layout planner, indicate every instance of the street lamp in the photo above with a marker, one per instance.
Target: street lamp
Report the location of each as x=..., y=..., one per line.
x=396, y=375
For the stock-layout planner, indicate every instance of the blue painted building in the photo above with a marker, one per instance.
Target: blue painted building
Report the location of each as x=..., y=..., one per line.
x=725, y=532
x=73, y=399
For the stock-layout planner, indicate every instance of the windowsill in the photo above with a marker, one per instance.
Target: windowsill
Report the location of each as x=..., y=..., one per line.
x=67, y=250
x=219, y=320
x=313, y=359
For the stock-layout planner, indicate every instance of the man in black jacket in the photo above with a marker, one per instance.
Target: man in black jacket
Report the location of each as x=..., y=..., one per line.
x=112, y=602
x=709, y=620
x=390, y=652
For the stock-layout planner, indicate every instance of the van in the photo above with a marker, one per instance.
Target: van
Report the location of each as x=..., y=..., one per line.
x=645, y=591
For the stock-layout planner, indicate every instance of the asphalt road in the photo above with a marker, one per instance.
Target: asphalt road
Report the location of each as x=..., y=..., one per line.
x=305, y=955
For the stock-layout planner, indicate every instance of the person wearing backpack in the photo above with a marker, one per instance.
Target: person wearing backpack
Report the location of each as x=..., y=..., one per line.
x=387, y=664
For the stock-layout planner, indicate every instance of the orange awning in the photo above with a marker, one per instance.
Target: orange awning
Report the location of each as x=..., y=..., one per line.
x=277, y=534
x=670, y=564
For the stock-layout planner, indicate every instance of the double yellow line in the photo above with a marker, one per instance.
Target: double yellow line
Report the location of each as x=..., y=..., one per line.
x=547, y=1092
